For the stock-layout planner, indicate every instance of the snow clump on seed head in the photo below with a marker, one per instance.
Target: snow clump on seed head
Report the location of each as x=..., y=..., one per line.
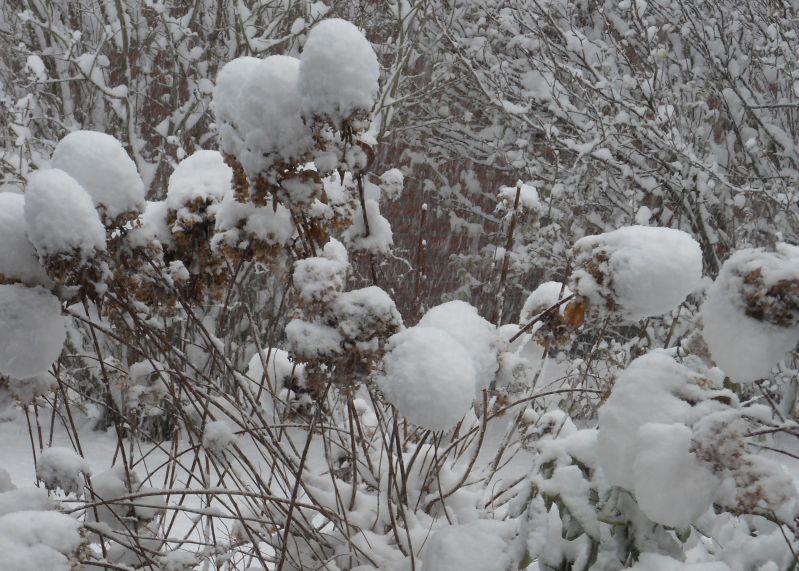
x=339, y=72
x=751, y=314
x=103, y=168
x=60, y=217
x=637, y=271
x=257, y=105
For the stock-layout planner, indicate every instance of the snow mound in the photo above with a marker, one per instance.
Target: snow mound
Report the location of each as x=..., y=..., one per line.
x=18, y=259
x=637, y=271
x=429, y=377
x=339, y=72
x=476, y=546
x=38, y=540
x=280, y=369
x=664, y=461
x=202, y=178
x=751, y=312
x=644, y=440
x=152, y=226
x=60, y=217
x=237, y=224
x=61, y=468
x=103, y=168
x=257, y=106
x=480, y=339
x=32, y=330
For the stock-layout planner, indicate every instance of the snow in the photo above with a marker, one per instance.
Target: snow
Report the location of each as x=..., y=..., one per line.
x=392, y=181
x=656, y=562
x=361, y=314
x=32, y=330
x=218, y=435
x=237, y=222
x=749, y=323
x=203, y=177
x=103, y=168
x=670, y=484
x=378, y=240
x=62, y=468
x=639, y=271
x=543, y=297
x=339, y=72
x=312, y=340
x=319, y=280
x=280, y=369
x=429, y=377
x=38, y=540
x=152, y=227
x=18, y=259
x=528, y=196
x=257, y=106
x=476, y=546
x=642, y=394
x=60, y=217
x=480, y=339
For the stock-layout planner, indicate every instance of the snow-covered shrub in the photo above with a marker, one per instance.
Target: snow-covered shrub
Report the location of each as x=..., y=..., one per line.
x=637, y=271
x=751, y=315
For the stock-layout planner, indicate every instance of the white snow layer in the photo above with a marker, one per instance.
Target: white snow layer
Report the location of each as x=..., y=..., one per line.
x=103, y=168
x=643, y=447
x=542, y=298
x=60, y=467
x=480, y=339
x=476, y=546
x=60, y=217
x=18, y=259
x=38, y=540
x=645, y=271
x=747, y=348
x=202, y=176
x=257, y=107
x=32, y=330
x=339, y=71
x=429, y=377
